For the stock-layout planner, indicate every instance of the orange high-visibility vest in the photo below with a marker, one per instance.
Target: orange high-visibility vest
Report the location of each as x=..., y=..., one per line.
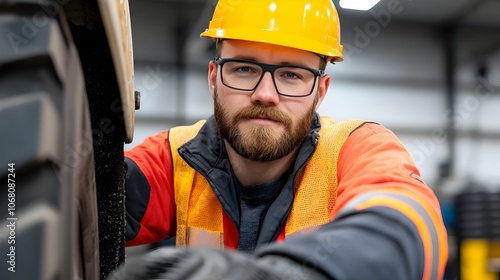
x=201, y=220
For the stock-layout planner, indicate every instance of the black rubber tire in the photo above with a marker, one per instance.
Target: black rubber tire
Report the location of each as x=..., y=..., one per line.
x=46, y=132
x=108, y=129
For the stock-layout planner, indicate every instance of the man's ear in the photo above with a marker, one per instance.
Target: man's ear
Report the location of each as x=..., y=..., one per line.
x=212, y=77
x=324, y=84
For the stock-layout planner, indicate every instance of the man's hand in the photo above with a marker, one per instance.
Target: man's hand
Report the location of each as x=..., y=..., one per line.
x=204, y=264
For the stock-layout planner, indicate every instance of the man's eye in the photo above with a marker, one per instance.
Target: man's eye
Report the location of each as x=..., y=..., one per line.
x=245, y=69
x=291, y=75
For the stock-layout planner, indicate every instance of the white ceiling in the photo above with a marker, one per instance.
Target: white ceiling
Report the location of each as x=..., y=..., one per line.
x=476, y=12
x=168, y=30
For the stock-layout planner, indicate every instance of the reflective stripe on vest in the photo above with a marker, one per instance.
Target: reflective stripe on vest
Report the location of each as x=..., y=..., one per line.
x=200, y=218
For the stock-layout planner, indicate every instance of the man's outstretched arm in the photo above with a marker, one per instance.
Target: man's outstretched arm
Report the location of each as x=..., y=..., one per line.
x=387, y=223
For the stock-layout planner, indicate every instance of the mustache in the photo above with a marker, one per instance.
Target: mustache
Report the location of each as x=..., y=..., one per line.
x=262, y=112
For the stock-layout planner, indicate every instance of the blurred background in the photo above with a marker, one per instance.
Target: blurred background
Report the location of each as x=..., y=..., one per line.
x=428, y=70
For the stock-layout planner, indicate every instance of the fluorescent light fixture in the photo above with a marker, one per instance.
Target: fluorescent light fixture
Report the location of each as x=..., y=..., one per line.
x=362, y=5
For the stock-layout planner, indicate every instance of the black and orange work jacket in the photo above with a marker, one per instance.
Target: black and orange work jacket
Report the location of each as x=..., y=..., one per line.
x=355, y=206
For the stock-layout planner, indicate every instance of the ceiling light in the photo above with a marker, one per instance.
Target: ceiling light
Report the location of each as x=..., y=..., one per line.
x=362, y=5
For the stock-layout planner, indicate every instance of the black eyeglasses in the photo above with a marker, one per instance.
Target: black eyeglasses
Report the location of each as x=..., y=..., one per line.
x=289, y=80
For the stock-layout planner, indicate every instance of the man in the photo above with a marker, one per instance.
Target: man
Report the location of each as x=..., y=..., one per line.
x=279, y=191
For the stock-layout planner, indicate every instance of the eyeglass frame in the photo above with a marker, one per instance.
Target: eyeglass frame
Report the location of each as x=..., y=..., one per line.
x=271, y=68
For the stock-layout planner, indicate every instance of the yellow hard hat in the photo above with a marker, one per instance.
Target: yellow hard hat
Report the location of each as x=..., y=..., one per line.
x=311, y=25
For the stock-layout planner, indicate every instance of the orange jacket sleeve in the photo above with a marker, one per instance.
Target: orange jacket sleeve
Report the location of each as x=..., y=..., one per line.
x=375, y=170
x=149, y=191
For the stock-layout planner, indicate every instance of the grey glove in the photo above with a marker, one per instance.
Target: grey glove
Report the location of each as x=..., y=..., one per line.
x=205, y=264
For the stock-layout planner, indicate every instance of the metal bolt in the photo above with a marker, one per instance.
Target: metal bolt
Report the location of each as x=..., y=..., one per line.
x=137, y=99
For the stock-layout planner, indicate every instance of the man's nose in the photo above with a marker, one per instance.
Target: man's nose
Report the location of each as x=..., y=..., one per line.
x=266, y=92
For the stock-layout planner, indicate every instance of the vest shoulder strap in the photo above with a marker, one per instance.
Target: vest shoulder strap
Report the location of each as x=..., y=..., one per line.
x=316, y=185
x=183, y=177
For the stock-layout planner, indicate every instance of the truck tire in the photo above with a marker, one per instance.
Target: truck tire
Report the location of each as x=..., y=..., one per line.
x=49, y=211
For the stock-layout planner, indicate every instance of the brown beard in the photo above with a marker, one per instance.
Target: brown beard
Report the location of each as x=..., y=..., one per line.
x=261, y=143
